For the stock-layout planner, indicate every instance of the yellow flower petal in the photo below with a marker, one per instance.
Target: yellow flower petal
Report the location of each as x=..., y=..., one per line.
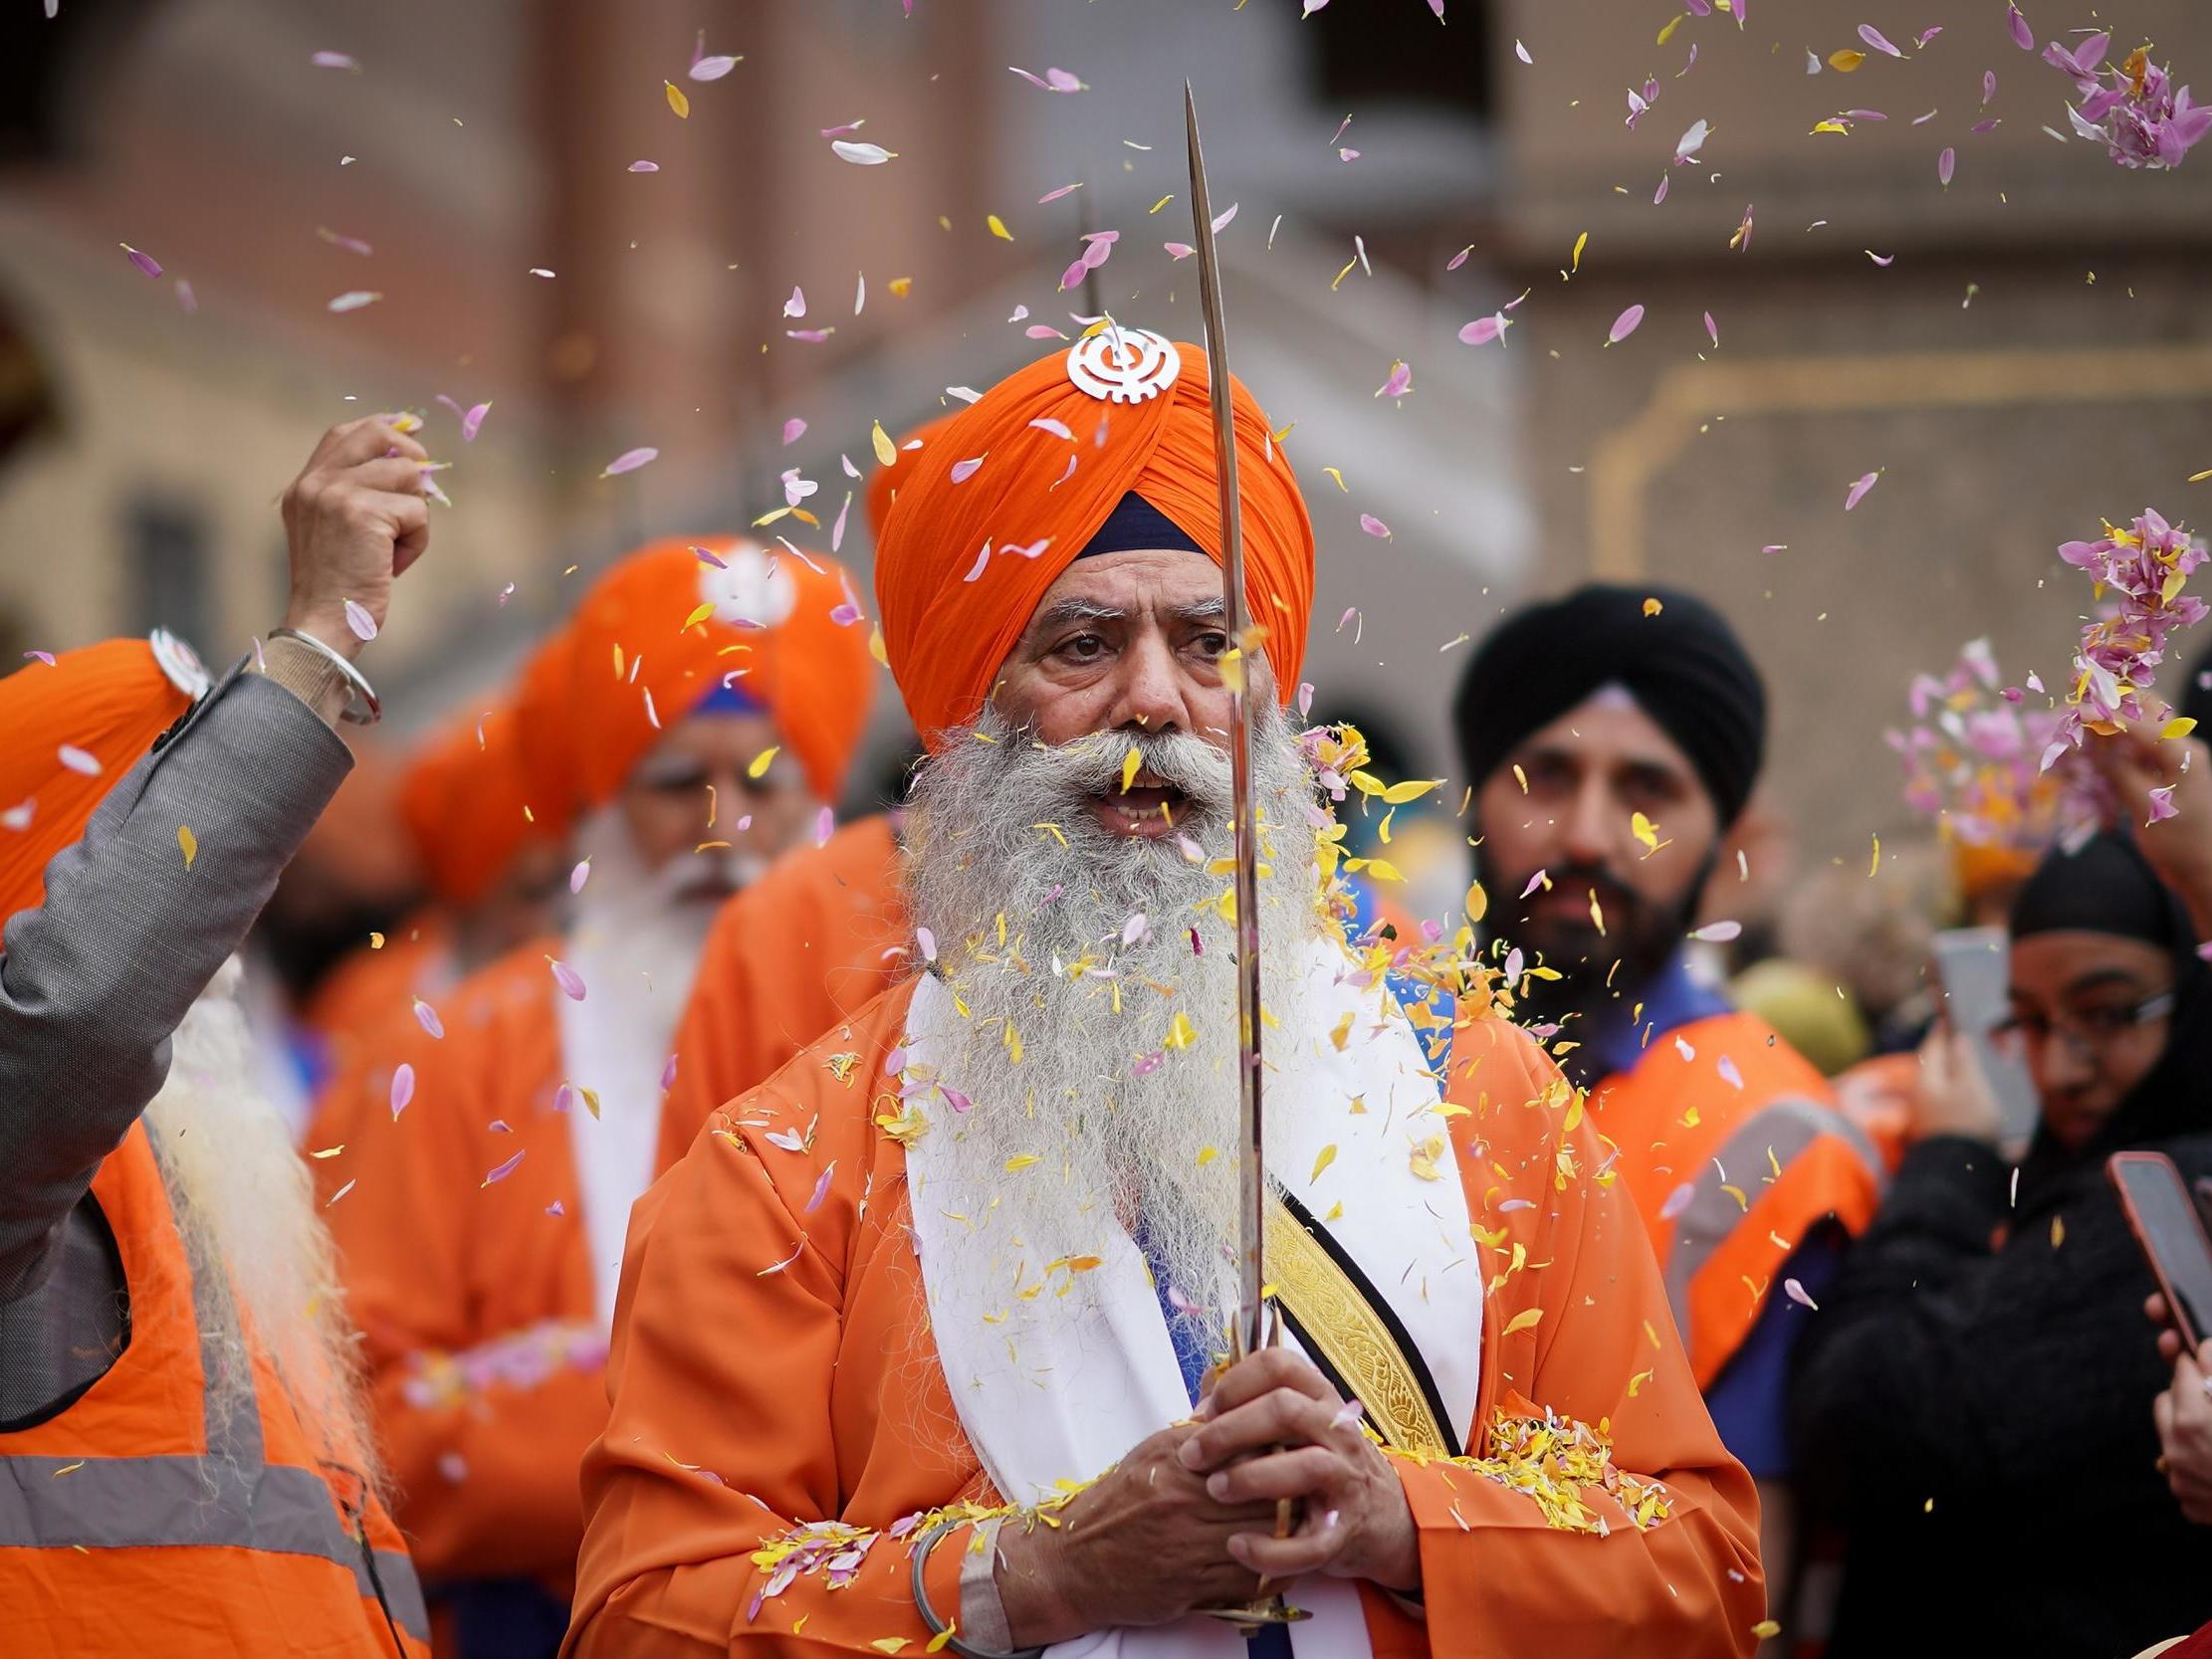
x=1525, y=1320
x=190, y=842
x=677, y=100
x=998, y=228
x=1327, y=1157
x=886, y=451
x=760, y=762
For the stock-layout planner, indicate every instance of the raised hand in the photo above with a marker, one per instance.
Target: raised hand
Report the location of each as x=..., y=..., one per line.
x=354, y=520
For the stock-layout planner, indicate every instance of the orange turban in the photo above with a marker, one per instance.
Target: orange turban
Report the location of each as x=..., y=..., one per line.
x=68, y=733
x=886, y=481
x=662, y=629
x=951, y=612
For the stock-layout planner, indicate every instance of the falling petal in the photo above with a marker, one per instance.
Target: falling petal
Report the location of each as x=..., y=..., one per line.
x=645, y=166
x=713, y=68
x=1712, y=329
x=1878, y=39
x=1623, y=325
x=402, y=1088
x=187, y=300
x=629, y=461
x=1944, y=164
x=1520, y=51
x=1374, y=526
x=334, y=59
x=1534, y=881
x=796, y=305
x=352, y=300
x=1718, y=933
x=825, y=825
x=427, y=1017
x=862, y=155
x=358, y=619
x=506, y=1169
x=473, y=422
x=1797, y=1294
x=1858, y=492
x=580, y=875
x=678, y=100
x=2022, y=36
x=962, y=470
x=568, y=978
x=1484, y=329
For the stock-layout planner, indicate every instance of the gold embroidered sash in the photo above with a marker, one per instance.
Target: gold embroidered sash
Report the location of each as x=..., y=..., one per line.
x=1335, y=1317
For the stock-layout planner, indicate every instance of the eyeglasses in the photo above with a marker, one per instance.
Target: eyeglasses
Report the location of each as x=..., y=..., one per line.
x=2088, y=1032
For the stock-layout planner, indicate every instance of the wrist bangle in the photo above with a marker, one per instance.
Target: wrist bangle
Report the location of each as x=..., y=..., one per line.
x=938, y=1627
x=363, y=705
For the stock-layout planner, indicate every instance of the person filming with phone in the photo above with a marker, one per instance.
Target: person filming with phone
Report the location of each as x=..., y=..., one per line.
x=1981, y=1358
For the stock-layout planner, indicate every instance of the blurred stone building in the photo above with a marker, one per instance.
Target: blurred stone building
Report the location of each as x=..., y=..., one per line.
x=2014, y=354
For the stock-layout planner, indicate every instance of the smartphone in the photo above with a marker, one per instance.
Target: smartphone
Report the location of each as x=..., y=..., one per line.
x=2167, y=1224
x=1974, y=966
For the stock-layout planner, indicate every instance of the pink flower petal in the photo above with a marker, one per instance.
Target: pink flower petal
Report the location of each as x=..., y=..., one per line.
x=1797, y=1294
x=1484, y=329
x=1677, y=1201
x=821, y=1189
x=2022, y=36
x=144, y=262
x=1878, y=39
x=825, y=825
x=580, y=875
x=629, y=461
x=358, y=619
x=953, y=1098
x=645, y=166
x=402, y=1088
x=1712, y=329
x=793, y=430
x=1858, y=492
x=714, y=67
x=334, y=59
x=1056, y=428
x=796, y=305
x=962, y=470
x=1944, y=165
x=1374, y=526
x=1534, y=881
x=352, y=300
x=506, y=1169
x=976, y=570
x=80, y=762
x=473, y=422
x=427, y=1017
x=568, y=978
x=1623, y=325
x=862, y=155
x=1718, y=933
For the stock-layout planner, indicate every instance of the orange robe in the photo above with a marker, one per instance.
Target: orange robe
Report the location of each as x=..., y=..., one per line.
x=369, y=987
x=773, y=1367
x=443, y=1255
x=799, y=952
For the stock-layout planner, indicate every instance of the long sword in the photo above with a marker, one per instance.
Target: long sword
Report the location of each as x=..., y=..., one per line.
x=1251, y=1328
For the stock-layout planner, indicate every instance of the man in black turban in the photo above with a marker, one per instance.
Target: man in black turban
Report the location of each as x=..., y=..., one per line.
x=1612, y=738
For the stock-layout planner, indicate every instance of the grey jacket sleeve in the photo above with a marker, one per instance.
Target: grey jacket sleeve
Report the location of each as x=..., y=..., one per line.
x=94, y=981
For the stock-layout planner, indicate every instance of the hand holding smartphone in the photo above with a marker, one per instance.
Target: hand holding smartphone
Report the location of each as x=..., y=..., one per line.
x=2166, y=1222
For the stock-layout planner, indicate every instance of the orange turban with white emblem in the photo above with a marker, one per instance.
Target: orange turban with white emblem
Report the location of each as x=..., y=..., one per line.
x=665, y=628
x=68, y=733
x=1008, y=494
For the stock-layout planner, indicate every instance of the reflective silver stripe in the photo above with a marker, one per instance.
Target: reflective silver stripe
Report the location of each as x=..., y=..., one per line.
x=231, y=1498
x=396, y=1571
x=1786, y=1127
x=152, y=1503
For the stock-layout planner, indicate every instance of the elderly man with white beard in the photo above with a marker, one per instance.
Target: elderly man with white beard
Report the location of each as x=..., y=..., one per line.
x=922, y=1344
x=186, y=1466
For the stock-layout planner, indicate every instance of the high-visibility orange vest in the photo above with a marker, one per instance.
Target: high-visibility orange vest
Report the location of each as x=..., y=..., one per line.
x=1730, y=1179
x=125, y=1533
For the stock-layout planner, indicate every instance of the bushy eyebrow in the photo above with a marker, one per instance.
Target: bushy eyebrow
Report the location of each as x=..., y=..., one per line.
x=1068, y=611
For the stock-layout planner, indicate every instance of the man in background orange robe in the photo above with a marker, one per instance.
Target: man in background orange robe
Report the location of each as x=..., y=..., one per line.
x=805, y=946
x=966, y=1252
x=492, y=868
x=480, y=1162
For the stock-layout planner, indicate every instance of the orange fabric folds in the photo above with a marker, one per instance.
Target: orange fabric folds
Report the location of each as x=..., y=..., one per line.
x=68, y=733
x=962, y=564
x=665, y=627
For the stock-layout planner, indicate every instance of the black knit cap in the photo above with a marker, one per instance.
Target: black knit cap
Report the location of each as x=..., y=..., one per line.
x=1684, y=667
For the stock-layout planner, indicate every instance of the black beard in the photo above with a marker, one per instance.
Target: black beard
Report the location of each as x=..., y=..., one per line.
x=1599, y=972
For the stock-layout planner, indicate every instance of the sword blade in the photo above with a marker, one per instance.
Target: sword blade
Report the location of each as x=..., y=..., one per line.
x=1252, y=1189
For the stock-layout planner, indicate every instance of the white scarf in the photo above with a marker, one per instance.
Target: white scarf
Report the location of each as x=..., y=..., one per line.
x=1082, y=1390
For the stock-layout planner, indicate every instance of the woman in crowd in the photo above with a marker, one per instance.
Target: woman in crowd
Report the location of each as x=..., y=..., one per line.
x=1974, y=1401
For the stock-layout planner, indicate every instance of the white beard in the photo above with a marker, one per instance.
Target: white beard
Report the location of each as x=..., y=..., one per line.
x=261, y=1259
x=635, y=933
x=1120, y=1124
